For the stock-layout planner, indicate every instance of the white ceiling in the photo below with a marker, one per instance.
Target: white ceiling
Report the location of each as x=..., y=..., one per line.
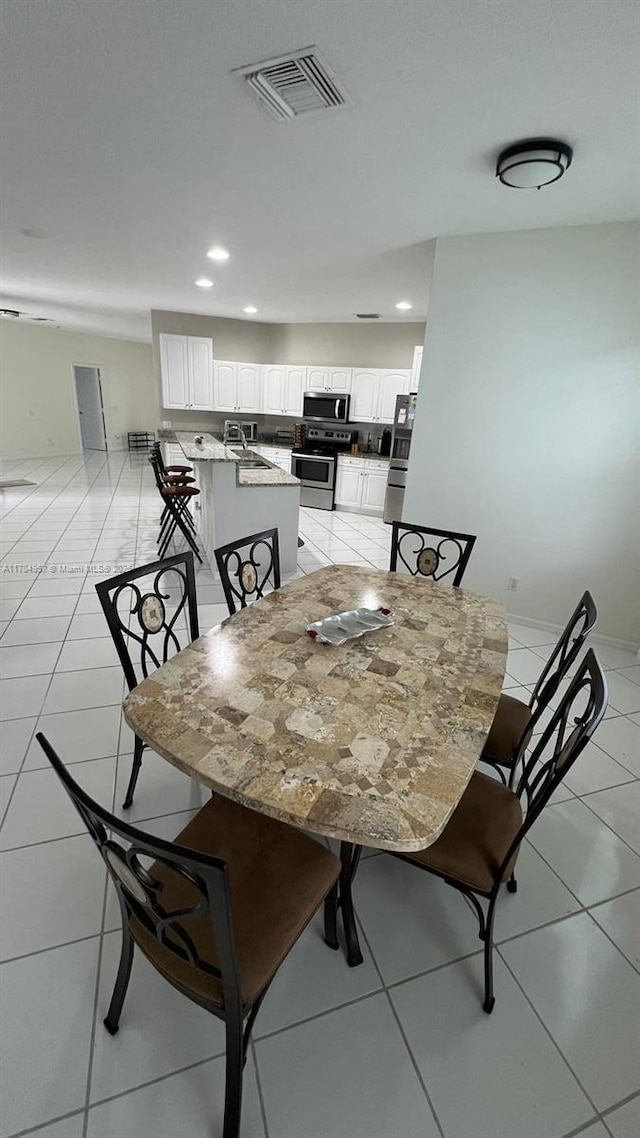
x=129, y=145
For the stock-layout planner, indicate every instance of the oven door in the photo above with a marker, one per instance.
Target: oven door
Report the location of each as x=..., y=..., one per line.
x=316, y=470
x=323, y=407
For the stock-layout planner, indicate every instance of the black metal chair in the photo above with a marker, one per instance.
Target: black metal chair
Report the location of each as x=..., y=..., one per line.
x=246, y=576
x=217, y=911
x=176, y=494
x=448, y=554
x=174, y=468
x=515, y=721
x=478, y=847
x=125, y=602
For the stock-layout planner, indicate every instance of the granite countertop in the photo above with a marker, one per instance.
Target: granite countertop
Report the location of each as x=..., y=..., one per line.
x=370, y=456
x=213, y=450
x=372, y=742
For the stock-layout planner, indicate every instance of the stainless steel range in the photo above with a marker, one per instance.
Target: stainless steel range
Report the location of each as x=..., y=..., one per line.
x=315, y=464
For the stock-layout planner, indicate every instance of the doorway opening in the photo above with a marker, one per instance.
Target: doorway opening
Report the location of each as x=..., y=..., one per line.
x=90, y=406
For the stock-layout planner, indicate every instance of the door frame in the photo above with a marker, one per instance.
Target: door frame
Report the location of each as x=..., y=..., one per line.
x=101, y=371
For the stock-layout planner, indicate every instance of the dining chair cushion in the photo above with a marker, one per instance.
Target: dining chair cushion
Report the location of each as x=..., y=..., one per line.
x=278, y=877
x=506, y=731
x=477, y=836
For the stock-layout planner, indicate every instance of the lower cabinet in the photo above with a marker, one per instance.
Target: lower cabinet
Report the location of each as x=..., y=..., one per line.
x=361, y=484
x=278, y=456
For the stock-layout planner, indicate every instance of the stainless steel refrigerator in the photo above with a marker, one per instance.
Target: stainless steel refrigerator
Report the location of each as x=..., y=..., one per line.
x=404, y=418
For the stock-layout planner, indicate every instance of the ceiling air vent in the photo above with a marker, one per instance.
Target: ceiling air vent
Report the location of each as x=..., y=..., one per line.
x=294, y=84
x=367, y=315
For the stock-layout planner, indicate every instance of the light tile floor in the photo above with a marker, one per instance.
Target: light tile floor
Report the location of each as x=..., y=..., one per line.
x=398, y=1048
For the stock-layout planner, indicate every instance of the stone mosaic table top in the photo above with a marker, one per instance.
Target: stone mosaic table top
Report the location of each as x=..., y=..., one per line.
x=372, y=742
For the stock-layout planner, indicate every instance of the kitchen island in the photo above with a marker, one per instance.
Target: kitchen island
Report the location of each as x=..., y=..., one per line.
x=240, y=494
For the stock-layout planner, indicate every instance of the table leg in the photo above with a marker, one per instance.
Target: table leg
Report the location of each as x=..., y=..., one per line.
x=340, y=897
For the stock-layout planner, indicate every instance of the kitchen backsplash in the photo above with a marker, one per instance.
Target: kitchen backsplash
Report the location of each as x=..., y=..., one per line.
x=270, y=428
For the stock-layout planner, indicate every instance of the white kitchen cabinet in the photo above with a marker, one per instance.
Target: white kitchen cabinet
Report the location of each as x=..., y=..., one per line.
x=294, y=388
x=186, y=368
x=361, y=484
x=225, y=386
x=374, y=486
x=365, y=396
x=283, y=387
x=200, y=357
x=349, y=483
x=336, y=379
x=279, y=456
x=374, y=394
x=393, y=383
x=249, y=387
x=236, y=386
x=272, y=389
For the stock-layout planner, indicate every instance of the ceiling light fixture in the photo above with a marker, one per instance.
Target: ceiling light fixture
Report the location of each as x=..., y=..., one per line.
x=250, y=310
x=217, y=253
x=404, y=305
x=533, y=163
x=204, y=282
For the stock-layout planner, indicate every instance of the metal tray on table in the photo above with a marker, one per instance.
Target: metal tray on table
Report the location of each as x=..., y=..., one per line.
x=349, y=625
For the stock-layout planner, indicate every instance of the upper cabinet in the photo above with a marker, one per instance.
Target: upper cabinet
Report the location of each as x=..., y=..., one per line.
x=236, y=387
x=374, y=394
x=393, y=383
x=187, y=372
x=283, y=387
x=336, y=379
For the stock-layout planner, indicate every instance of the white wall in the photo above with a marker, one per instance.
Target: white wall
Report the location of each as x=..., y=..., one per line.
x=38, y=410
x=528, y=421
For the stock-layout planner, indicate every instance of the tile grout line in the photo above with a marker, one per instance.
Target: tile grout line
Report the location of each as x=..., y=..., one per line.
x=62, y=644
x=396, y=1017
x=548, y=1032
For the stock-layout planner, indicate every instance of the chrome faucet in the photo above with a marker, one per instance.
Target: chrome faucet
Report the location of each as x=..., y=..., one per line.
x=243, y=437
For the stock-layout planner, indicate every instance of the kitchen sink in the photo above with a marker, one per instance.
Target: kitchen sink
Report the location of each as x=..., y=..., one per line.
x=249, y=459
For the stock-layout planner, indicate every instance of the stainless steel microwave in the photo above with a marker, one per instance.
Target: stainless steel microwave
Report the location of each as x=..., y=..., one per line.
x=323, y=407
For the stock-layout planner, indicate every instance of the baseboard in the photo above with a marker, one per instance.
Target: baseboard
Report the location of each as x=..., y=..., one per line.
x=611, y=641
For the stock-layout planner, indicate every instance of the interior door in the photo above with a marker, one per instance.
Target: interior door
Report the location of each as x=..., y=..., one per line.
x=89, y=393
x=200, y=373
x=174, y=367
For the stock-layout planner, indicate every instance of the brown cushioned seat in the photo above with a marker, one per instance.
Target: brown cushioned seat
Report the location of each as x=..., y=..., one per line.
x=506, y=731
x=177, y=469
x=179, y=491
x=477, y=836
x=278, y=877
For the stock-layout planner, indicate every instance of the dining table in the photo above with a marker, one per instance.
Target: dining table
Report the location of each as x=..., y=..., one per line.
x=370, y=742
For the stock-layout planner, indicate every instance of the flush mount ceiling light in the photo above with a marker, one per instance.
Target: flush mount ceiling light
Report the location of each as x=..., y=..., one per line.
x=217, y=253
x=250, y=310
x=534, y=163
x=204, y=282
x=404, y=305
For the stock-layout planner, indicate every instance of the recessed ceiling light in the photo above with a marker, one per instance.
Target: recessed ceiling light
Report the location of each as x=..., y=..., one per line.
x=404, y=305
x=204, y=282
x=217, y=253
x=250, y=310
